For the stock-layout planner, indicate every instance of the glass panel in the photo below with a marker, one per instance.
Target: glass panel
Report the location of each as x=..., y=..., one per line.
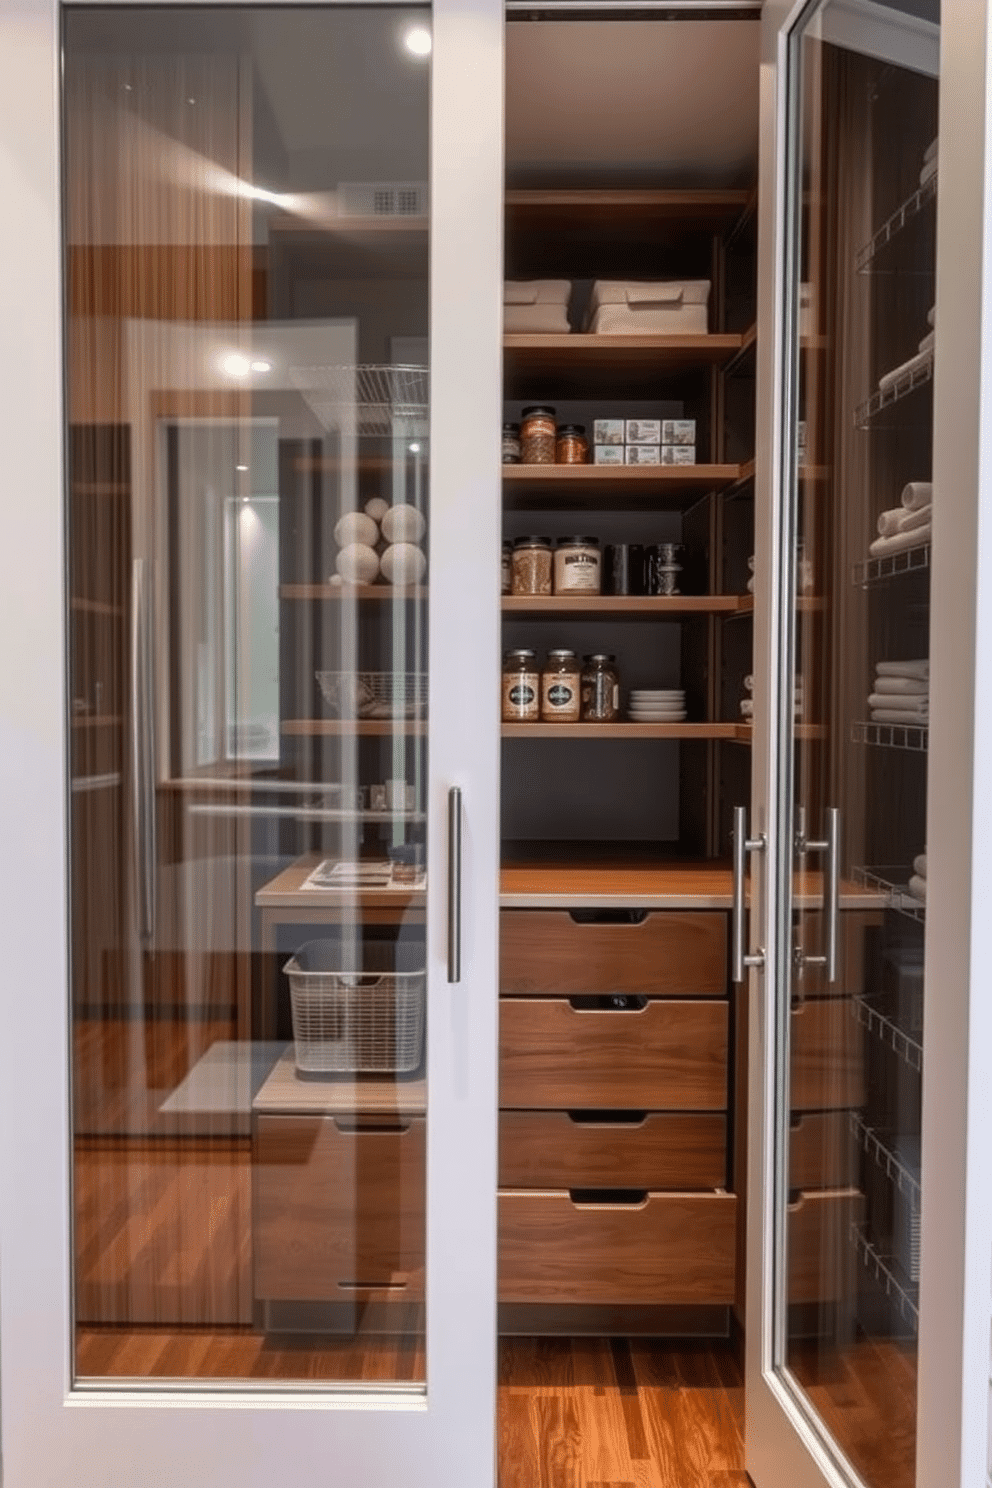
x=864, y=185
x=247, y=290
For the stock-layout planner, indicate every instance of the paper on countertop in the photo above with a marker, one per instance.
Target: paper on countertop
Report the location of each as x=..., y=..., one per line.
x=364, y=873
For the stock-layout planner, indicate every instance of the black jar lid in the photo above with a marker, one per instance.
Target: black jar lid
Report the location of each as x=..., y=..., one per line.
x=578, y=542
x=572, y=429
x=532, y=542
x=537, y=410
x=511, y=428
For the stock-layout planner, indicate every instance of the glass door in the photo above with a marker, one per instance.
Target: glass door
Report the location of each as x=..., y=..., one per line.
x=268, y=1154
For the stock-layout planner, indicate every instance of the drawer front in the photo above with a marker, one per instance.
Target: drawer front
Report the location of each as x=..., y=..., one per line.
x=669, y=954
x=339, y=1211
x=666, y=1056
x=671, y=1248
x=550, y=1149
x=822, y=1258
x=827, y=1056
x=823, y=1152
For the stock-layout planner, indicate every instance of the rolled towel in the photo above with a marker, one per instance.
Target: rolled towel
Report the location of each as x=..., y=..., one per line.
x=890, y=522
x=884, y=700
x=920, y=668
x=929, y=171
x=750, y=563
x=918, y=888
x=930, y=153
x=919, y=516
x=928, y=342
x=932, y=316
x=902, y=686
x=747, y=708
x=920, y=865
x=750, y=585
x=897, y=715
x=916, y=494
x=749, y=682
x=898, y=543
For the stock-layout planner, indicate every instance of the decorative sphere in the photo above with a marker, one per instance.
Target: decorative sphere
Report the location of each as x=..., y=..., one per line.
x=356, y=527
x=403, y=524
x=403, y=563
x=376, y=508
x=357, y=563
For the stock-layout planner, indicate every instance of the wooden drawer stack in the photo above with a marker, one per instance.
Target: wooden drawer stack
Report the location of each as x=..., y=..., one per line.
x=613, y=1109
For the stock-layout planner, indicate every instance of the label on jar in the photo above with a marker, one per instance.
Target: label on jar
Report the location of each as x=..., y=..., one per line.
x=560, y=700
x=577, y=570
x=521, y=697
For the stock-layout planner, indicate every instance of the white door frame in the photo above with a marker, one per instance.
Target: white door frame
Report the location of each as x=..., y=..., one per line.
x=783, y=1450
x=51, y=1432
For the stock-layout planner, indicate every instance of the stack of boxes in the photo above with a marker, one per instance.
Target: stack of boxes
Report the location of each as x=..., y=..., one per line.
x=642, y=441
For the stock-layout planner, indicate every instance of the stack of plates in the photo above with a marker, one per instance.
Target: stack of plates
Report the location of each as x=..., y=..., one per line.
x=657, y=705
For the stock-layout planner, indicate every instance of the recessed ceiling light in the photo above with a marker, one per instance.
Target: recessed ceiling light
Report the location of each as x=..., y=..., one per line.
x=415, y=449
x=191, y=100
x=241, y=467
x=418, y=41
x=236, y=365
x=261, y=366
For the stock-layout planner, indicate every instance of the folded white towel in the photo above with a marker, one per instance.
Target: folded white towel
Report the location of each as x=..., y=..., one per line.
x=932, y=316
x=750, y=563
x=929, y=171
x=920, y=668
x=890, y=522
x=902, y=687
x=918, y=888
x=920, y=516
x=885, y=700
x=930, y=153
x=750, y=585
x=929, y=341
x=747, y=708
x=917, y=494
x=905, y=369
x=917, y=537
x=749, y=682
x=920, y=865
x=898, y=715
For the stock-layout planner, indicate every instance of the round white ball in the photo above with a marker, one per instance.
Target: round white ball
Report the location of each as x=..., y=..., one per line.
x=403, y=564
x=356, y=527
x=357, y=563
x=403, y=524
x=376, y=508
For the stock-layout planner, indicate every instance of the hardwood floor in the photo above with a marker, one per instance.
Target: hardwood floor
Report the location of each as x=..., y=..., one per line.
x=866, y=1394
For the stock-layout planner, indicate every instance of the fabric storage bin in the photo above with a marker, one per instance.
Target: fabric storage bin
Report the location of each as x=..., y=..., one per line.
x=357, y=1007
x=538, y=306
x=675, y=307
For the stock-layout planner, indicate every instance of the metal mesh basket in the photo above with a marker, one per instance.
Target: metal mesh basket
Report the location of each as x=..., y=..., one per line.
x=357, y=1009
x=374, y=694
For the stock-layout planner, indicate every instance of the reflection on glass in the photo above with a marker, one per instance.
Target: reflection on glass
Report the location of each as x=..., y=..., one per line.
x=864, y=183
x=247, y=281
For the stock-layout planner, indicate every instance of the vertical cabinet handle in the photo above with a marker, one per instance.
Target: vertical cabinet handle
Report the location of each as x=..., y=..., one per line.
x=455, y=884
x=830, y=847
x=143, y=747
x=743, y=844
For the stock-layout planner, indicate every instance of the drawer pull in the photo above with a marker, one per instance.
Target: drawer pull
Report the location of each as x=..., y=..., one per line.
x=608, y=1118
x=608, y=1198
x=607, y=916
x=608, y=1002
x=352, y=1126
x=372, y=1286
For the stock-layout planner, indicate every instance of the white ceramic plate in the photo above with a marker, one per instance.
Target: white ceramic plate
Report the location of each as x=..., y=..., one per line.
x=658, y=717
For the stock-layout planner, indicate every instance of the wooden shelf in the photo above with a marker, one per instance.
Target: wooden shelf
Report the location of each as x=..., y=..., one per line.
x=685, y=731
x=338, y=593
x=660, y=486
x=96, y=607
x=702, y=208
x=802, y=733
x=553, y=355
x=349, y=727
x=617, y=605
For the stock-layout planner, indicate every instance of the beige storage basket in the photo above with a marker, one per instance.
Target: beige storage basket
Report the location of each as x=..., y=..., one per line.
x=357, y=1008
x=673, y=307
x=536, y=306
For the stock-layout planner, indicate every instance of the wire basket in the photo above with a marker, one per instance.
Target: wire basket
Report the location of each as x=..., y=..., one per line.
x=374, y=694
x=357, y=1009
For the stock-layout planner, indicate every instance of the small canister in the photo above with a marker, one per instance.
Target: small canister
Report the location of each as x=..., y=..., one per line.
x=511, y=444
x=561, y=688
x=537, y=436
x=600, y=689
x=577, y=566
x=521, y=687
x=532, y=561
x=506, y=580
x=572, y=446
x=623, y=568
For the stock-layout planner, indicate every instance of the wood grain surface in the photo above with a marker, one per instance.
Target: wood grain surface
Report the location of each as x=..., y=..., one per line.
x=827, y=1056
x=822, y=1151
x=666, y=954
x=548, y=1149
x=821, y=1258
x=669, y=1056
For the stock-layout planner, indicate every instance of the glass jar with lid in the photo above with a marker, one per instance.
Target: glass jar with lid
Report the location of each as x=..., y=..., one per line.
x=511, y=444
x=538, y=427
x=531, y=565
x=578, y=568
x=561, y=688
x=521, y=687
x=571, y=445
x=600, y=689
x=507, y=569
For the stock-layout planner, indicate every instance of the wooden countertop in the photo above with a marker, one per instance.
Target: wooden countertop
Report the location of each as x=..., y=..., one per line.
x=286, y=1093
x=286, y=891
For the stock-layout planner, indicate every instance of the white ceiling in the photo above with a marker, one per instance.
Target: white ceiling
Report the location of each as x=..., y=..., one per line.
x=673, y=101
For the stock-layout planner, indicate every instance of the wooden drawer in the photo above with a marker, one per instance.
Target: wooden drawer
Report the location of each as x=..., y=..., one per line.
x=669, y=1248
x=664, y=1056
x=550, y=1149
x=822, y=1151
x=668, y=954
x=822, y=1259
x=827, y=1056
x=339, y=1211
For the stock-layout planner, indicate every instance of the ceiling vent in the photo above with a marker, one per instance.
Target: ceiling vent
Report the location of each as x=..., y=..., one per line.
x=382, y=198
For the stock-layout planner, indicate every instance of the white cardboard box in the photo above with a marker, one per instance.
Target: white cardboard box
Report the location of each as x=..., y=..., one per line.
x=607, y=454
x=678, y=431
x=643, y=431
x=643, y=454
x=678, y=454
x=608, y=431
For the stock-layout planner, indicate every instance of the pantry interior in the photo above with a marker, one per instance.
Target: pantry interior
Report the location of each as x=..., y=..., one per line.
x=631, y=157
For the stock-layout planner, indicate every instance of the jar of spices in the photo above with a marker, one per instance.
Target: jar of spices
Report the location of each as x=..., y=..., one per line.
x=507, y=568
x=571, y=446
x=521, y=687
x=531, y=566
x=511, y=444
x=600, y=689
x=537, y=436
x=577, y=566
x=561, y=688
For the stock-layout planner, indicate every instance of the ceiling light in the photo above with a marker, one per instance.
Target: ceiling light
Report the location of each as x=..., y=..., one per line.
x=242, y=468
x=191, y=100
x=418, y=41
x=261, y=366
x=415, y=449
x=236, y=365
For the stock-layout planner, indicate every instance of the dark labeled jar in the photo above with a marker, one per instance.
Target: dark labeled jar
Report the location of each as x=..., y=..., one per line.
x=538, y=428
x=561, y=688
x=600, y=689
x=571, y=446
x=521, y=687
x=531, y=565
x=511, y=444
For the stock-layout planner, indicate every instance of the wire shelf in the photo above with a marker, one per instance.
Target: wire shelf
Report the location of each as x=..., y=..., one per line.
x=875, y=570
x=909, y=1050
x=901, y=217
x=916, y=377
x=883, y=1270
x=892, y=735
x=893, y=882
x=904, y=1179
x=371, y=399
